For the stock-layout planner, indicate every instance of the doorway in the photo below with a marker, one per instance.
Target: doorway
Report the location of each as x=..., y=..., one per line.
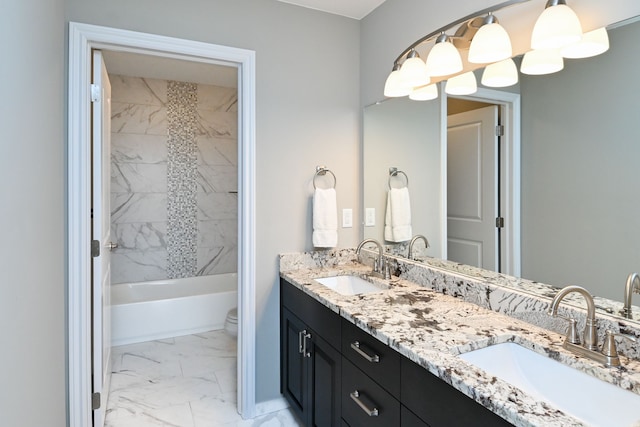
x=82, y=40
x=508, y=196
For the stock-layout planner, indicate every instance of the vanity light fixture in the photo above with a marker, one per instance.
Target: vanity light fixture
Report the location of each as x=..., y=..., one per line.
x=443, y=59
x=463, y=84
x=413, y=71
x=556, y=27
x=542, y=61
x=500, y=74
x=557, y=34
x=592, y=43
x=491, y=43
x=424, y=93
x=394, y=86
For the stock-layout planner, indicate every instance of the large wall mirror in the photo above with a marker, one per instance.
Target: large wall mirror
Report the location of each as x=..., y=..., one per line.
x=580, y=168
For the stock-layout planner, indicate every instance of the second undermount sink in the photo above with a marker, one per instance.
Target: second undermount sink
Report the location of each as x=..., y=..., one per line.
x=592, y=401
x=350, y=285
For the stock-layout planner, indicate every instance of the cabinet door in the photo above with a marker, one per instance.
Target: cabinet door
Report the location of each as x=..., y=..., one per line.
x=294, y=382
x=326, y=373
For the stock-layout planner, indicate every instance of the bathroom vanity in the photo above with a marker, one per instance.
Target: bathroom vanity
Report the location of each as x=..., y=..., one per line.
x=390, y=356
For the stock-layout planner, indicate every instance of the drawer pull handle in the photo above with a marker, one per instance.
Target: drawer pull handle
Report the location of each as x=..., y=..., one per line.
x=373, y=359
x=356, y=398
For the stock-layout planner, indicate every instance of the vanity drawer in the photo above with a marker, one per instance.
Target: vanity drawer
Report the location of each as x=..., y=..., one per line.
x=361, y=397
x=363, y=350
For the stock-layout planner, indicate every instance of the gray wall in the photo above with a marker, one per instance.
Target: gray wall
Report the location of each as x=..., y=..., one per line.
x=32, y=288
x=307, y=114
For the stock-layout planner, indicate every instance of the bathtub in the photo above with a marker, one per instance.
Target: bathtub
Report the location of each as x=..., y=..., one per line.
x=159, y=309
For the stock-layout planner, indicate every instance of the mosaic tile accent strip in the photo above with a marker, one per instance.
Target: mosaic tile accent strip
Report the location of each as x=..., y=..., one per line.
x=182, y=176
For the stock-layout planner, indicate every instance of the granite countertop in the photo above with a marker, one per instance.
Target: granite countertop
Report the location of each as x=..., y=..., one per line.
x=431, y=329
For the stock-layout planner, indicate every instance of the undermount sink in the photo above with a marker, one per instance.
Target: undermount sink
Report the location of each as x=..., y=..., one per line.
x=350, y=285
x=582, y=396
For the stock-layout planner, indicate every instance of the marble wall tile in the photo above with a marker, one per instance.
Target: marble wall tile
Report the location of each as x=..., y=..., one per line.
x=138, y=178
x=217, y=98
x=138, y=90
x=217, y=124
x=217, y=151
x=140, y=236
x=218, y=206
x=138, y=207
x=138, y=119
x=136, y=148
x=217, y=179
x=221, y=232
x=174, y=145
x=139, y=266
x=217, y=260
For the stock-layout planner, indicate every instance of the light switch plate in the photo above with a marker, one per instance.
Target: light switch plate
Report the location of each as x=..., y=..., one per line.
x=370, y=217
x=347, y=218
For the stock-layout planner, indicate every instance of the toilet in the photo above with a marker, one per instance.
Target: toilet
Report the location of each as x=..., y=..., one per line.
x=231, y=322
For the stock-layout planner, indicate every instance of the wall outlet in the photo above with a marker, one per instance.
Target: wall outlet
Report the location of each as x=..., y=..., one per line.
x=370, y=217
x=347, y=218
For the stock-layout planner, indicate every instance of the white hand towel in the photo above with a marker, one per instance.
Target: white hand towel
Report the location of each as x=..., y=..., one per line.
x=325, y=218
x=398, y=216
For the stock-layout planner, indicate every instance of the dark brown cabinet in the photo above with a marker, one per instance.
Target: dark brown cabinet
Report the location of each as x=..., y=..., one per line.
x=335, y=374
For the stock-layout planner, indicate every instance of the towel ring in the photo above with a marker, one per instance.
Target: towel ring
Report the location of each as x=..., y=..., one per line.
x=394, y=172
x=322, y=171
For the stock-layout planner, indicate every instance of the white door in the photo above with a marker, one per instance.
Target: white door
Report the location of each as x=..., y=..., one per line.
x=472, y=188
x=101, y=149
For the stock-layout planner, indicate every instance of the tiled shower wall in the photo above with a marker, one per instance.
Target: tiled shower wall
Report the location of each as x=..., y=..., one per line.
x=173, y=179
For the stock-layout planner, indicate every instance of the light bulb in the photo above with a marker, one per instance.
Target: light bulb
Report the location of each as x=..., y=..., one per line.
x=500, y=74
x=424, y=93
x=556, y=27
x=464, y=84
x=444, y=58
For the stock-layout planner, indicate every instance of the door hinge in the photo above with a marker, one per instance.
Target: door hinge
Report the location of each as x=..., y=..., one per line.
x=95, y=93
x=500, y=130
x=95, y=401
x=499, y=222
x=95, y=248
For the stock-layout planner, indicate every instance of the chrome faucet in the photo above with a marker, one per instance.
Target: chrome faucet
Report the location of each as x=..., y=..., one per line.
x=632, y=286
x=589, y=347
x=378, y=266
x=413, y=241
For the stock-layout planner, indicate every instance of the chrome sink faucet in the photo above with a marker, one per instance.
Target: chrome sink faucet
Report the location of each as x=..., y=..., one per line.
x=413, y=241
x=378, y=266
x=632, y=286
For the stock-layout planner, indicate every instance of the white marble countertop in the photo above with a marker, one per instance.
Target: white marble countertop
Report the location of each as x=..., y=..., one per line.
x=431, y=328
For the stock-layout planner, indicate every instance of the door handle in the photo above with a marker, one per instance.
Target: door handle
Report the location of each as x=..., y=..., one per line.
x=112, y=246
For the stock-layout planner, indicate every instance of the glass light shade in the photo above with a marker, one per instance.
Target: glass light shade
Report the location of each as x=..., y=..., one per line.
x=424, y=93
x=444, y=59
x=414, y=72
x=394, y=88
x=500, y=74
x=593, y=43
x=556, y=27
x=490, y=44
x=542, y=61
x=464, y=84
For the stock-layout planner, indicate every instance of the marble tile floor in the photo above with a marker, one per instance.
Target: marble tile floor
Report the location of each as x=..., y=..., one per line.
x=187, y=381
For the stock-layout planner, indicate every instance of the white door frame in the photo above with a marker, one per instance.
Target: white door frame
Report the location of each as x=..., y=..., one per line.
x=510, y=194
x=82, y=39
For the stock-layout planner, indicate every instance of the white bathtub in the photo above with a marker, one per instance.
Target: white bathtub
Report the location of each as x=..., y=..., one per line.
x=168, y=308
